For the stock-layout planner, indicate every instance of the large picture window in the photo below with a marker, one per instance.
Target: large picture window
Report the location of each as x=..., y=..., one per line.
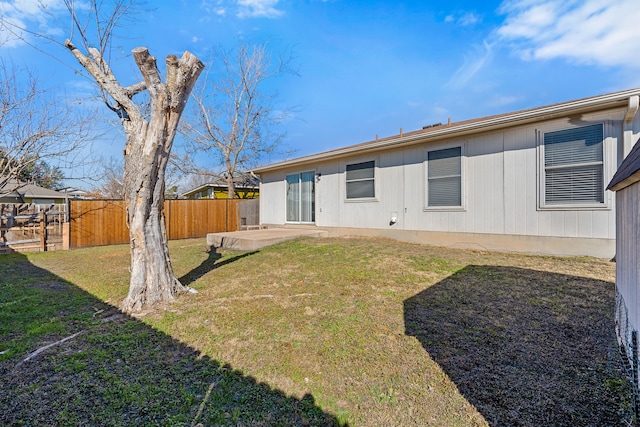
x=361, y=180
x=444, y=178
x=574, y=166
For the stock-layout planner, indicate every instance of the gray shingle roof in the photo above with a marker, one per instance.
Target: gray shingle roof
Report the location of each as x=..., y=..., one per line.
x=628, y=172
x=14, y=187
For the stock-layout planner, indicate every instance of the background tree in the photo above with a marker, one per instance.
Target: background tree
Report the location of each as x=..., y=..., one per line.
x=111, y=183
x=149, y=139
x=233, y=119
x=42, y=174
x=35, y=130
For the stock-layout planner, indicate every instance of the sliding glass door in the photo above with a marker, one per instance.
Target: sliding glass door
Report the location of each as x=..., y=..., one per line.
x=301, y=198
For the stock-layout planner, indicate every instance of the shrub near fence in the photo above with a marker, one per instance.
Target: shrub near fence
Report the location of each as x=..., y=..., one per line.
x=103, y=222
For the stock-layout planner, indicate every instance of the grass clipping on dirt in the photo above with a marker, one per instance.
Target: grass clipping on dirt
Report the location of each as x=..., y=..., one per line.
x=314, y=332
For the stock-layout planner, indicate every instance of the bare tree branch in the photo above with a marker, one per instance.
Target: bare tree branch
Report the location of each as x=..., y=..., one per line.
x=234, y=120
x=34, y=127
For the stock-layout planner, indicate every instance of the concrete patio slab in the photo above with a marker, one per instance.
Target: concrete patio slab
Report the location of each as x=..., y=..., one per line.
x=250, y=240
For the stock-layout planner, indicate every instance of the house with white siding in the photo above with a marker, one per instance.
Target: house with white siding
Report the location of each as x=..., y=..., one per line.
x=626, y=184
x=529, y=181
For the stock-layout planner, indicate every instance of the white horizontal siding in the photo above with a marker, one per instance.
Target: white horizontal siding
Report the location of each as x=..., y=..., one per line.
x=500, y=178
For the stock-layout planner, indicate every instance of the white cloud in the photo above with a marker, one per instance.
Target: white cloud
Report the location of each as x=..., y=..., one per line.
x=602, y=32
x=18, y=15
x=259, y=9
x=469, y=19
x=463, y=18
x=472, y=65
x=214, y=8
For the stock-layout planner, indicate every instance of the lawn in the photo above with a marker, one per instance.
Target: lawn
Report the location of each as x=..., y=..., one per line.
x=353, y=331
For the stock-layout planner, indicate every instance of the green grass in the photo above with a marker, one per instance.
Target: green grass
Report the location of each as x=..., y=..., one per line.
x=313, y=332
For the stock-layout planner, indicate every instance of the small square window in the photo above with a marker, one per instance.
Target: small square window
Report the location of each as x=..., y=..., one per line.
x=361, y=180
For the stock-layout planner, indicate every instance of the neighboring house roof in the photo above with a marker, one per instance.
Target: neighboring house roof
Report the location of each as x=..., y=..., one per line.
x=14, y=188
x=222, y=185
x=74, y=193
x=459, y=129
x=628, y=172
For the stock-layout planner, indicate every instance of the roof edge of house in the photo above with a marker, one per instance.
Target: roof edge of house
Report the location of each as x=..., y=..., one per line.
x=584, y=105
x=213, y=185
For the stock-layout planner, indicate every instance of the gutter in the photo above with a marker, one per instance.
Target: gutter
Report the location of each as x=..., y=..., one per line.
x=613, y=100
x=632, y=110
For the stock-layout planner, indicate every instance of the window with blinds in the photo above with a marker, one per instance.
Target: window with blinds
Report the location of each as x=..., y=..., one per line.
x=361, y=180
x=444, y=177
x=574, y=166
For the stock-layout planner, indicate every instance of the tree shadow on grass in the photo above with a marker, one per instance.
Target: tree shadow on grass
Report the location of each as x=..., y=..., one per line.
x=210, y=264
x=526, y=348
x=116, y=370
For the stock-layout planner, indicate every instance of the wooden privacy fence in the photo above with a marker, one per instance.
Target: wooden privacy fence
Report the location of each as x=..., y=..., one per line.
x=103, y=222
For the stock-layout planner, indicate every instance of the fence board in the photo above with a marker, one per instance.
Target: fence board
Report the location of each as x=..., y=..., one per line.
x=103, y=222
x=97, y=222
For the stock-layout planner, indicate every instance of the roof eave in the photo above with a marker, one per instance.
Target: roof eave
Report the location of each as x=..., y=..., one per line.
x=632, y=179
x=603, y=102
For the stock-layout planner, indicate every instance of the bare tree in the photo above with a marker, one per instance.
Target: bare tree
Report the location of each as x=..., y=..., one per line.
x=35, y=129
x=111, y=184
x=149, y=125
x=149, y=139
x=234, y=120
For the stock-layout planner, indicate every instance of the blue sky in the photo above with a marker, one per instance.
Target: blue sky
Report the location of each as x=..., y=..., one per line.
x=369, y=68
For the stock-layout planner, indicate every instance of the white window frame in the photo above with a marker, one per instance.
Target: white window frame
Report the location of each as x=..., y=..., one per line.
x=541, y=169
x=463, y=166
x=376, y=189
x=300, y=202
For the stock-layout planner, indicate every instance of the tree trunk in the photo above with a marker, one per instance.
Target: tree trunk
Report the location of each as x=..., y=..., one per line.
x=146, y=155
x=231, y=187
x=149, y=142
x=152, y=278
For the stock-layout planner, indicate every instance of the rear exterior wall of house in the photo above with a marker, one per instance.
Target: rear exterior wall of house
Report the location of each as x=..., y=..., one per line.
x=499, y=193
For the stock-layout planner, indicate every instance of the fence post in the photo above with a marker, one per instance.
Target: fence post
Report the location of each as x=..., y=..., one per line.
x=43, y=230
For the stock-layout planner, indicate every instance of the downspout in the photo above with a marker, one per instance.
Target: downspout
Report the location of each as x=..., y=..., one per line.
x=627, y=125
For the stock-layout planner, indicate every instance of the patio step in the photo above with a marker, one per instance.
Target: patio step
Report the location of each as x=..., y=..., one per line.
x=250, y=240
